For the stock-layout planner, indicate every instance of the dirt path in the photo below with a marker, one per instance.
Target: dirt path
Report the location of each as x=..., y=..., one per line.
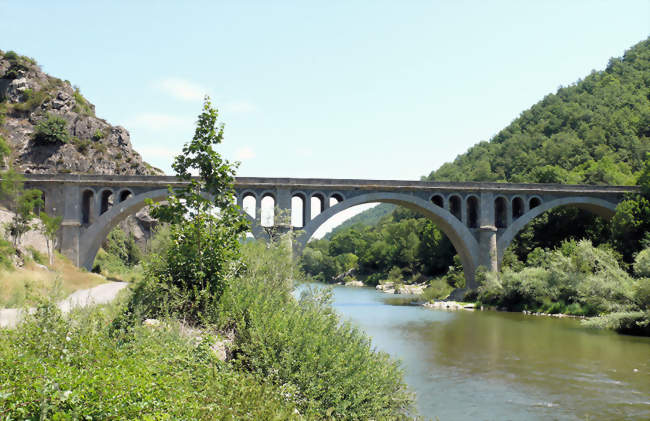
x=100, y=294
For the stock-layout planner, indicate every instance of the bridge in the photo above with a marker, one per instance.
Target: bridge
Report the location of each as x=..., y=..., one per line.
x=480, y=219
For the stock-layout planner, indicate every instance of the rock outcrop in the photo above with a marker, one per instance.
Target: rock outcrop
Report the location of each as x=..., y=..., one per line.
x=89, y=145
x=93, y=146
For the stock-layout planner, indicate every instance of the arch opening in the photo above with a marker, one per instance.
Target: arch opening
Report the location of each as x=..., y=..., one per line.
x=335, y=199
x=534, y=202
x=298, y=211
x=517, y=207
x=500, y=212
x=438, y=200
x=249, y=204
x=106, y=201
x=125, y=194
x=455, y=206
x=87, y=202
x=472, y=211
x=317, y=205
x=268, y=210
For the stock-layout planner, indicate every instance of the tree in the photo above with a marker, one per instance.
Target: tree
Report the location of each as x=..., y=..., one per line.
x=50, y=227
x=205, y=223
x=21, y=203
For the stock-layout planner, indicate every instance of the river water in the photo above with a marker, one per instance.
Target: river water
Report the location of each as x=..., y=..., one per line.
x=488, y=365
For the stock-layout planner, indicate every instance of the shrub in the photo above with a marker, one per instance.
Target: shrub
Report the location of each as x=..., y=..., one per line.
x=82, y=145
x=53, y=129
x=642, y=263
x=82, y=106
x=330, y=367
x=575, y=273
x=98, y=135
x=32, y=100
x=438, y=289
x=72, y=368
x=6, y=251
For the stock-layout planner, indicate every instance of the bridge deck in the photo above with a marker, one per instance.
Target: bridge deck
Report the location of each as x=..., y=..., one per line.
x=331, y=184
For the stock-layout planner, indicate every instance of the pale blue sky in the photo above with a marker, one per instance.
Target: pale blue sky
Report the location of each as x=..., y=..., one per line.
x=350, y=89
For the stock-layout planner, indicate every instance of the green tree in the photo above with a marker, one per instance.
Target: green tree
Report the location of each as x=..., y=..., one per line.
x=50, y=227
x=205, y=225
x=21, y=201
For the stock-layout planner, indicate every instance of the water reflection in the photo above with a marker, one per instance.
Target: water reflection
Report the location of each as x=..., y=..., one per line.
x=492, y=365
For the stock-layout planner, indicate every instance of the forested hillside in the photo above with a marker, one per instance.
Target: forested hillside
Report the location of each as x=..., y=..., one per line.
x=595, y=131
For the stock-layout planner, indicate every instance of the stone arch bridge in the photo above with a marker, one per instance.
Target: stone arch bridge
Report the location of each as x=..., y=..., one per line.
x=480, y=219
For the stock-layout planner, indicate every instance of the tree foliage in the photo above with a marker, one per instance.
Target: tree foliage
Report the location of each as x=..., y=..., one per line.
x=205, y=224
x=52, y=130
x=22, y=202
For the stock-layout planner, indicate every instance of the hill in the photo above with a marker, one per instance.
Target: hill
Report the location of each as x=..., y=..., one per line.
x=596, y=131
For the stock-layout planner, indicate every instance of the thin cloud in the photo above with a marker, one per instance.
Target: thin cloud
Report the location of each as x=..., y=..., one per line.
x=181, y=89
x=240, y=107
x=244, y=153
x=160, y=121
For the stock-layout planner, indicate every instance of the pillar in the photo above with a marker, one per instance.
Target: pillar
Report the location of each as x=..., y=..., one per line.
x=488, y=233
x=306, y=211
x=71, y=223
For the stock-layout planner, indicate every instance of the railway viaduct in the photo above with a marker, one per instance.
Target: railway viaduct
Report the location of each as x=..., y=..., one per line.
x=480, y=219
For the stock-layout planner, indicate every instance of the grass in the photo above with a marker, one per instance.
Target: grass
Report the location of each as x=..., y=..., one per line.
x=25, y=286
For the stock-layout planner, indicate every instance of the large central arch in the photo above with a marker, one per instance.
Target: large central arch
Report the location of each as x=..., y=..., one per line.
x=594, y=205
x=91, y=239
x=460, y=236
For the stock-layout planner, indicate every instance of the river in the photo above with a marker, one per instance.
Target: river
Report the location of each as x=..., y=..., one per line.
x=489, y=365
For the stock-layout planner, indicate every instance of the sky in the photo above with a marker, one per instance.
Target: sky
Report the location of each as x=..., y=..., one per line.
x=336, y=89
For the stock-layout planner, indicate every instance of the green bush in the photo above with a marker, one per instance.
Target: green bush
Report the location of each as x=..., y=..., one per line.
x=6, y=251
x=642, y=263
x=576, y=278
x=53, y=129
x=59, y=368
x=330, y=367
x=32, y=100
x=82, y=106
x=98, y=135
x=123, y=246
x=37, y=256
x=438, y=289
x=82, y=145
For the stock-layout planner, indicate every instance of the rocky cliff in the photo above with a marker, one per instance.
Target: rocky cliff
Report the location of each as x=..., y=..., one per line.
x=76, y=141
x=89, y=144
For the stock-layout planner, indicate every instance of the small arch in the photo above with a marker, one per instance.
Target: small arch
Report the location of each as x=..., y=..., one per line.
x=335, y=198
x=438, y=200
x=106, y=201
x=317, y=204
x=249, y=204
x=124, y=194
x=267, y=210
x=298, y=210
x=455, y=206
x=472, y=211
x=500, y=212
x=534, y=202
x=517, y=207
x=87, y=202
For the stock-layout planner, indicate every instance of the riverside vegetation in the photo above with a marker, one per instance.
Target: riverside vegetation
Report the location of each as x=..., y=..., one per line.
x=286, y=358
x=596, y=131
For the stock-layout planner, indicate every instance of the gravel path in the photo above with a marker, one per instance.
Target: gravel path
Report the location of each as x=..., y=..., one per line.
x=100, y=294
